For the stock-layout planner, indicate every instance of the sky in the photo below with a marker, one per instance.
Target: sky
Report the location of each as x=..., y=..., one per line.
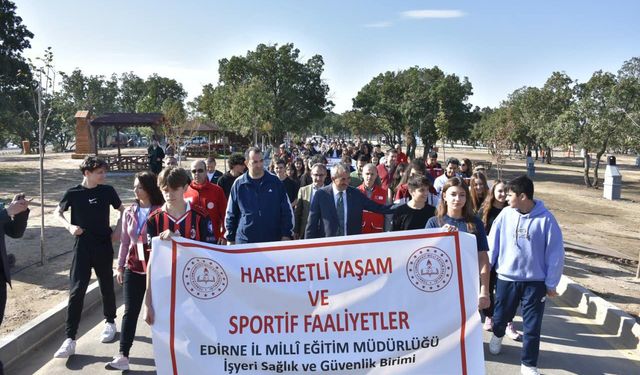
x=499, y=45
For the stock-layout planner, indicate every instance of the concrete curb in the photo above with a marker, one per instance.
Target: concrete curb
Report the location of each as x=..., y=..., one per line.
x=20, y=342
x=609, y=319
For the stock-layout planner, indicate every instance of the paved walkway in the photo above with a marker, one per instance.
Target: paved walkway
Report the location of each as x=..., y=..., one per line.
x=569, y=346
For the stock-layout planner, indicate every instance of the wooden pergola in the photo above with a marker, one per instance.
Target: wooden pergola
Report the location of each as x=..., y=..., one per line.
x=120, y=121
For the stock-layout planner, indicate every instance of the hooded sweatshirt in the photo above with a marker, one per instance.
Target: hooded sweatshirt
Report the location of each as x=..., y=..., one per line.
x=210, y=197
x=527, y=247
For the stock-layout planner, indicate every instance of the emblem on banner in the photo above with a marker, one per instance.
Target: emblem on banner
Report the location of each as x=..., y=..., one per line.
x=429, y=269
x=204, y=278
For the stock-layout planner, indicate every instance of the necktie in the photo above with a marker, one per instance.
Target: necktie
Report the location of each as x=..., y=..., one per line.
x=340, y=209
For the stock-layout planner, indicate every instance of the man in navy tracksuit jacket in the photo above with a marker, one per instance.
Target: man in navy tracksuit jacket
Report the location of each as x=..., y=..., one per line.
x=258, y=209
x=527, y=251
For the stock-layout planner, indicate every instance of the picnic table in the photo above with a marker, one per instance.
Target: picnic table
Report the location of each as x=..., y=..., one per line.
x=128, y=162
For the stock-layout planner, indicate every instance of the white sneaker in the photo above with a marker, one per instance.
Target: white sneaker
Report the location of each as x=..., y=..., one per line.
x=512, y=333
x=109, y=332
x=487, y=324
x=495, y=345
x=120, y=362
x=526, y=370
x=68, y=348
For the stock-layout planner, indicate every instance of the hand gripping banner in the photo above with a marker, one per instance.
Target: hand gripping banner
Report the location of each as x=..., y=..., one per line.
x=388, y=303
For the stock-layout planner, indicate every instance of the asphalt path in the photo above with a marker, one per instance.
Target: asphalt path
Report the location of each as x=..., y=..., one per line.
x=570, y=345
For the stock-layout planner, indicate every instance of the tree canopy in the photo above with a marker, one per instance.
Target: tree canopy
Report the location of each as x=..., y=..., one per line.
x=269, y=90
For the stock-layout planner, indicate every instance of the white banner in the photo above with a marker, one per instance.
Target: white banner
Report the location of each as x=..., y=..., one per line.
x=389, y=303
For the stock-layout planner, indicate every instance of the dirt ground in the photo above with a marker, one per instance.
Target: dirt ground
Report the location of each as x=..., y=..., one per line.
x=586, y=219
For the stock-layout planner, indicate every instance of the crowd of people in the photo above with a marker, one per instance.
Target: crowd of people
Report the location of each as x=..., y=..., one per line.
x=309, y=191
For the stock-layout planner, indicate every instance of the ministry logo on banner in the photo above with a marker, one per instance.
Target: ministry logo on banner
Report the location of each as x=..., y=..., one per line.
x=400, y=302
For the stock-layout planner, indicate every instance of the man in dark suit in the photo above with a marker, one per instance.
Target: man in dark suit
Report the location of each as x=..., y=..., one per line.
x=336, y=210
x=13, y=222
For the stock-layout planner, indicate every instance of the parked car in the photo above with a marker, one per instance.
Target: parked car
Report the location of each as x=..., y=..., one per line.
x=199, y=140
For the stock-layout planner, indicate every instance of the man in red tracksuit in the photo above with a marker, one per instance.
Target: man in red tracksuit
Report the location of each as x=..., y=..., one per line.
x=210, y=197
x=371, y=221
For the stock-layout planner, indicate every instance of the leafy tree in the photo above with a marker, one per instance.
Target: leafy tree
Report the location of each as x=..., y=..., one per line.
x=442, y=127
x=131, y=91
x=16, y=101
x=293, y=90
x=331, y=124
x=592, y=122
x=359, y=124
x=382, y=99
x=409, y=101
x=158, y=90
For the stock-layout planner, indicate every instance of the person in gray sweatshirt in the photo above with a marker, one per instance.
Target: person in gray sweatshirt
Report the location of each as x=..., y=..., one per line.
x=526, y=248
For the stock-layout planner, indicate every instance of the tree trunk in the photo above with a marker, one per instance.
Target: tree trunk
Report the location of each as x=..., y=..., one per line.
x=548, y=155
x=595, y=168
x=587, y=163
x=410, y=146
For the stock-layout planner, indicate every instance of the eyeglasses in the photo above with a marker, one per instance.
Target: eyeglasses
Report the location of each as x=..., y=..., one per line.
x=199, y=170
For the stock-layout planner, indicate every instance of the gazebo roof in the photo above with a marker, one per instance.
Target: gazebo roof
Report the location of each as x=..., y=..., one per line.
x=200, y=127
x=129, y=119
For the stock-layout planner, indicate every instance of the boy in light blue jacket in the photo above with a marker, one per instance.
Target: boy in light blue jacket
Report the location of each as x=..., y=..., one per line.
x=526, y=248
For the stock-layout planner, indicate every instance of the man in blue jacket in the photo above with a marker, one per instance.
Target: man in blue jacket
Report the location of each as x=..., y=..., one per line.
x=526, y=249
x=258, y=209
x=336, y=210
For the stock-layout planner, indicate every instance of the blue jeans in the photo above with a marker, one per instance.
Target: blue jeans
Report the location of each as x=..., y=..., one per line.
x=532, y=296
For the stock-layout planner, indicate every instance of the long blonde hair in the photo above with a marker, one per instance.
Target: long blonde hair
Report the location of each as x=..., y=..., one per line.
x=489, y=200
x=475, y=199
x=467, y=209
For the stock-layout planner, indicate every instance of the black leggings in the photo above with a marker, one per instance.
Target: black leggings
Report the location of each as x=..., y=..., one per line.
x=135, y=286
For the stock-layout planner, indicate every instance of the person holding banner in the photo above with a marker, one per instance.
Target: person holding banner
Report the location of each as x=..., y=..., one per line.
x=258, y=208
x=528, y=252
x=455, y=212
x=132, y=258
x=336, y=210
x=175, y=218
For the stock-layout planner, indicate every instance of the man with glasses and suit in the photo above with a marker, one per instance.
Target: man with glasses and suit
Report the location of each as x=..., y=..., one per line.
x=336, y=210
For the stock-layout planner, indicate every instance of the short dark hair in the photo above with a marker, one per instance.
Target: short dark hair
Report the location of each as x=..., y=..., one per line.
x=521, y=184
x=236, y=159
x=417, y=181
x=91, y=163
x=318, y=158
x=453, y=160
x=364, y=157
x=149, y=182
x=280, y=162
x=173, y=177
x=433, y=154
x=255, y=150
